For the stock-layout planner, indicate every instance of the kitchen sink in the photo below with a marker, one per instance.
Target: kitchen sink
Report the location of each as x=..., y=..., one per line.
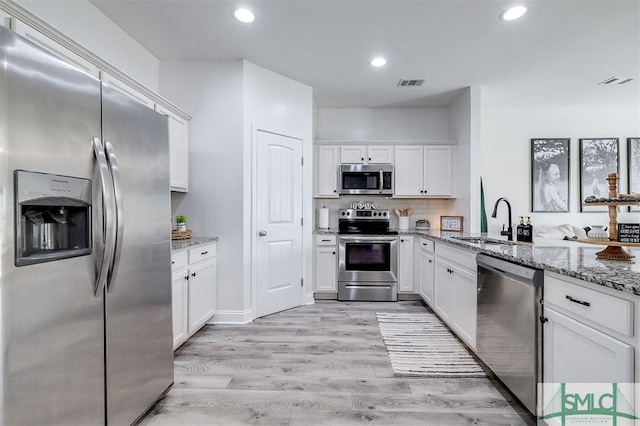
x=483, y=240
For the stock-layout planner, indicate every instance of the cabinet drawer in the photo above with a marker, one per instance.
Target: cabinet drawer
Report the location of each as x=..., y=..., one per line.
x=602, y=309
x=201, y=253
x=179, y=260
x=427, y=245
x=325, y=240
x=458, y=256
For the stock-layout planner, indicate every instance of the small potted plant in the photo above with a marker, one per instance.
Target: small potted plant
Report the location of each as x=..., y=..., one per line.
x=181, y=223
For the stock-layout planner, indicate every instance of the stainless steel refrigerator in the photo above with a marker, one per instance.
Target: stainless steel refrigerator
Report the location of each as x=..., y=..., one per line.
x=85, y=287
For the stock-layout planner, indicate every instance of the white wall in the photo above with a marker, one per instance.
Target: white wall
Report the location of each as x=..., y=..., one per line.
x=226, y=100
x=460, y=130
x=277, y=103
x=382, y=124
x=212, y=93
x=89, y=27
x=506, y=158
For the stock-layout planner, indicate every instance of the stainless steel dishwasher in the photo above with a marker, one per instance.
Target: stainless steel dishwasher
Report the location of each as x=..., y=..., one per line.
x=509, y=333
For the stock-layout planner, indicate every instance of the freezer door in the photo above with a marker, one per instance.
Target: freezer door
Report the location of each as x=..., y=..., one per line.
x=51, y=324
x=138, y=303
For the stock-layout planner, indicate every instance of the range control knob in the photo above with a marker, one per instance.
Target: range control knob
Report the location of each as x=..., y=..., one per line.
x=343, y=213
x=384, y=214
x=348, y=213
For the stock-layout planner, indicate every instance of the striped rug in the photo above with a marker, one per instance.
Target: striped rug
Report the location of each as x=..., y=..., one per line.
x=421, y=345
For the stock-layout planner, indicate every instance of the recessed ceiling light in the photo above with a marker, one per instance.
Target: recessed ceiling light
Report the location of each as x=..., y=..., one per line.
x=378, y=62
x=513, y=13
x=244, y=15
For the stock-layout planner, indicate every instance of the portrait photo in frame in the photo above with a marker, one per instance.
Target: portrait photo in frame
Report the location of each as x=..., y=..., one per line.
x=633, y=168
x=550, y=167
x=598, y=158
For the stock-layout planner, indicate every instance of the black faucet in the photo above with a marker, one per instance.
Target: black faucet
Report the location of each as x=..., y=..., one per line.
x=509, y=231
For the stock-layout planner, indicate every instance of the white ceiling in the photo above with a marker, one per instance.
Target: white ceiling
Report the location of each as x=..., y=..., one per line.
x=557, y=52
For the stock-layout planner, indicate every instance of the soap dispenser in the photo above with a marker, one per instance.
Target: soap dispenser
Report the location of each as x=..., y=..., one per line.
x=528, y=231
x=520, y=230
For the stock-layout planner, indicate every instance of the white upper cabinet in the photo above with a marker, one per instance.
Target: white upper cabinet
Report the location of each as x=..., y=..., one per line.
x=327, y=162
x=353, y=154
x=424, y=171
x=5, y=19
x=438, y=171
x=112, y=81
x=54, y=47
x=361, y=154
x=178, y=150
x=408, y=171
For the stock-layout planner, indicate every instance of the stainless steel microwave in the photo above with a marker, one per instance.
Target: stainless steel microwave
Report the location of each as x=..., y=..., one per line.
x=371, y=179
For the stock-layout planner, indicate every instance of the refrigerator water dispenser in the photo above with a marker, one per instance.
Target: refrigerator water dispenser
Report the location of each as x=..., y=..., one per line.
x=53, y=217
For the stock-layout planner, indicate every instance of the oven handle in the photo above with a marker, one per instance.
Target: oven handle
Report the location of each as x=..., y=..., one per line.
x=371, y=238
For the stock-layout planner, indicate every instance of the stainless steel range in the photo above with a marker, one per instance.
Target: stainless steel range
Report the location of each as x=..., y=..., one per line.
x=368, y=265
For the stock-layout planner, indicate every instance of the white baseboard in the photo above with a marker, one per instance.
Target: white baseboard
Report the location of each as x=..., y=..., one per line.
x=309, y=299
x=232, y=317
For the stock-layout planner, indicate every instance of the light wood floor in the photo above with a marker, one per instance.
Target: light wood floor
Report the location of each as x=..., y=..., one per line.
x=323, y=364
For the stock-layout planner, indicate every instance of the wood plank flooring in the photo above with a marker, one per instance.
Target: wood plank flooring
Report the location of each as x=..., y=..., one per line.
x=322, y=364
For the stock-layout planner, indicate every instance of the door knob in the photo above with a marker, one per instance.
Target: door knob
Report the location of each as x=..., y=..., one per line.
x=262, y=233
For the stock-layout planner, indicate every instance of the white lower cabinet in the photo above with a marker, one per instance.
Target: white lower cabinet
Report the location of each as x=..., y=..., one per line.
x=577, y=353
x=325, y=263
x=179, y=297
x=455, y=290
x=405, y=263
x=588, y=335
x=193, y=290
x=426, y=278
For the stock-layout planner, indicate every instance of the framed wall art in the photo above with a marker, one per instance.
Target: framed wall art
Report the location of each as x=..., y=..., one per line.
x=633, y=168
x=451, y=223
x=550, y=162
x=598, y=158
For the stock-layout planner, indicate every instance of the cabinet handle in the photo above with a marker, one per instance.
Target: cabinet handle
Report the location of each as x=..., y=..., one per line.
x=402, y=241
x=193, y=275
x=173, y=262
x=204, y=252
x=579, y=302
x=543, y=319
x=335, y=190
x=430, y=261
x=326, y=241
x=369, y=158
x=187, y=277
x=424, y=244
x=362, y=159
x=334, y=252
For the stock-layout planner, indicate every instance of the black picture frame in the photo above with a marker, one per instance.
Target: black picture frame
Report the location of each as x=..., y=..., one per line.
x=633, y=168
x=598, y=158
x=550, y=174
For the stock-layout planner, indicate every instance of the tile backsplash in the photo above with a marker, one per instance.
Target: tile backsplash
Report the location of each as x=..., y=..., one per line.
x=430, y=209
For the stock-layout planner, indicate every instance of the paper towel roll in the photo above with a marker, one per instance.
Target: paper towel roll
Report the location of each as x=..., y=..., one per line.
x=323, y=218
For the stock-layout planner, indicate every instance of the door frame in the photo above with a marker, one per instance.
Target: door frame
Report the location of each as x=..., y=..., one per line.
x=306, y=239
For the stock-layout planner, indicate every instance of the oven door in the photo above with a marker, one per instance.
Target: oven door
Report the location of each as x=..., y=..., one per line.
x=368, y=258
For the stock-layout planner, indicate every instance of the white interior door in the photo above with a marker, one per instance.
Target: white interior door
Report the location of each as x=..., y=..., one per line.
x=279, y=223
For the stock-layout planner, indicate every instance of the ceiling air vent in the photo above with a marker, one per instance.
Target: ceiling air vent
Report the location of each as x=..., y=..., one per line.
x=616, y=80
x=410, y=83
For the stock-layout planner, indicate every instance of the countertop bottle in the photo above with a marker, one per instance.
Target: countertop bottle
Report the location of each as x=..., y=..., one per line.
x=527, y=231
x=520, y=229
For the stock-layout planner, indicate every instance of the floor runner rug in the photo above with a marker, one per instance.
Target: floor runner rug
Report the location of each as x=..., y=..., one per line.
x=421, y=345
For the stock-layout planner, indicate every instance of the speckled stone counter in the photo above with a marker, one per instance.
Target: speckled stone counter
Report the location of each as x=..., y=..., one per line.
x=191, y=242
x=326, y=231
x=568, y=258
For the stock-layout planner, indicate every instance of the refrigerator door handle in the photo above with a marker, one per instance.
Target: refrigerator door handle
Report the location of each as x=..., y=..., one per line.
x=108, y=227
x=117, y=190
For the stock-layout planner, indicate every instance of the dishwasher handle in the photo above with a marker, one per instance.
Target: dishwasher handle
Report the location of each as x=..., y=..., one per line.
x=524, y=274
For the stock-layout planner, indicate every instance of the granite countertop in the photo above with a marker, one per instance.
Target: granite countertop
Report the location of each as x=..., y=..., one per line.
x=564, y=257
x=191, y=242
x=568, y=258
